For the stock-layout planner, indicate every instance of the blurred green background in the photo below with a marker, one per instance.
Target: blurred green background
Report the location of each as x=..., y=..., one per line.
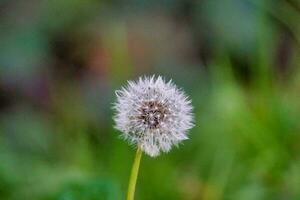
x=61, y=61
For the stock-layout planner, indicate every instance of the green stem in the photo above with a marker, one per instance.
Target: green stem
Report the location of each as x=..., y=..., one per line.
x=134, y=174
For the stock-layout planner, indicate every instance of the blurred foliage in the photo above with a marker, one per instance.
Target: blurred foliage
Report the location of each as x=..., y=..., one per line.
x=61, y=61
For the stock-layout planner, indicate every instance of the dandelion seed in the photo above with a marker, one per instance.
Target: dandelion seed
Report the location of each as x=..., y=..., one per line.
x=153, y=114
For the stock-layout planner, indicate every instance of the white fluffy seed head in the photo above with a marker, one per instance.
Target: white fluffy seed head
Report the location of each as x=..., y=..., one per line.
x=153, y=114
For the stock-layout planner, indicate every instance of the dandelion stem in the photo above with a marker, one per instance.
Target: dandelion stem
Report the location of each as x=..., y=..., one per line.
x=134, y=174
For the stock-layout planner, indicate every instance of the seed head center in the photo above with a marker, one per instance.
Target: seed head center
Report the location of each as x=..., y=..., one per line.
x=153, y=113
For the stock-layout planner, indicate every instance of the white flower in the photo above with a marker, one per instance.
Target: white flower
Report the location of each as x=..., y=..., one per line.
x=153, y=114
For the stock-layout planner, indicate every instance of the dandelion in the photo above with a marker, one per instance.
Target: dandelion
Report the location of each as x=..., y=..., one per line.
x=153, y=115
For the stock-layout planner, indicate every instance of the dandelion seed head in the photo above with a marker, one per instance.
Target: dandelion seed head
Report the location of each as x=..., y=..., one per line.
x=153, y=114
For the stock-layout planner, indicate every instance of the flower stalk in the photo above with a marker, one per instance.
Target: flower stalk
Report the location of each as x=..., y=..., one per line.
x=134, y=174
